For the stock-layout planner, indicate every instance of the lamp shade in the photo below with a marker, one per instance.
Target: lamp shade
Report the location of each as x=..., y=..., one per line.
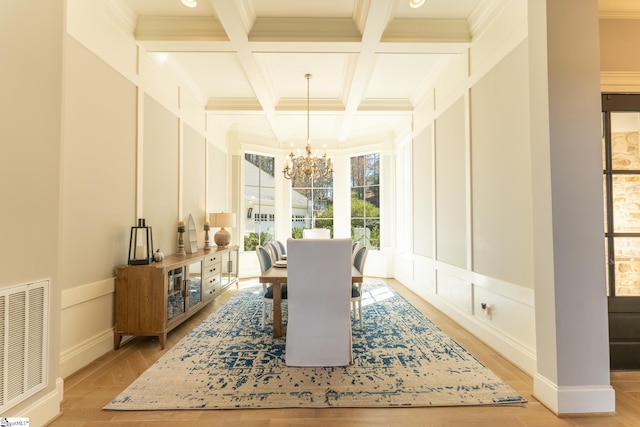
x=222, y=219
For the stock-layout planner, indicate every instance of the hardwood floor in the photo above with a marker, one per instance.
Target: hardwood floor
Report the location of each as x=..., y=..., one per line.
x=88, y=390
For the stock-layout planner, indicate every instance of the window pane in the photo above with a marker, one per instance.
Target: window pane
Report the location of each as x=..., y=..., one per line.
x=365, y=200
x=627, y=264
x=372, y=169
x=606, y=262
x=312, y=204
x=604, y=194
x=357, y=171
x=624, y=141
x=372, y=195
x=626, y=203
x=259, y=198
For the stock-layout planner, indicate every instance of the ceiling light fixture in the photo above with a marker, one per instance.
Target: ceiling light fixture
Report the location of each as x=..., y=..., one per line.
x=416, y=3
x=189, y=3
x=308, y=166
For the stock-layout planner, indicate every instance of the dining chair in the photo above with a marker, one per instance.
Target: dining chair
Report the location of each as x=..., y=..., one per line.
x=316, y=233
x=319, y=322
x=359, y=259
x=273, y=250
x=354, y=247
x=282, y=247
x=267, y=288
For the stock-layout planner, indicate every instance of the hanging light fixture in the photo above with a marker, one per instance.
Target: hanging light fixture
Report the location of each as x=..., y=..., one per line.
x=307, y=165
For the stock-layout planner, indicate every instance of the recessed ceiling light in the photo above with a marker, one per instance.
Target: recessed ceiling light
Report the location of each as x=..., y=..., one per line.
x=416, y=3
x=192, y=3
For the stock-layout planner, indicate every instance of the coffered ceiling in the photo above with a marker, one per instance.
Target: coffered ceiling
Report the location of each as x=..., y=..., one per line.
x=371, y=61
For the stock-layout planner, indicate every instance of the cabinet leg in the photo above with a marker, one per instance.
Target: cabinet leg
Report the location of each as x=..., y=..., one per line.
x=163, y=339
x=116, y=340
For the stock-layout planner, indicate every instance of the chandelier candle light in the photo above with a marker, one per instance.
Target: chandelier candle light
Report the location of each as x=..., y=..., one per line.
x=308, y=166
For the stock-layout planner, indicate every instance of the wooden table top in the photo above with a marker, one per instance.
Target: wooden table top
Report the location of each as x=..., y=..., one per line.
x=279, y=275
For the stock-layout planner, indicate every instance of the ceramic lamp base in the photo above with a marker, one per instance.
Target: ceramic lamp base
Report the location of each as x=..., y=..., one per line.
x=222, y=238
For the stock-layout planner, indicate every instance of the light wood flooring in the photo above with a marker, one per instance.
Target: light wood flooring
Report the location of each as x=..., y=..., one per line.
x=88, y=390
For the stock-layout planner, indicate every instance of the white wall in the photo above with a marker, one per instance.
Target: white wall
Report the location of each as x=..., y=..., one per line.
x=470, y=147
x=135, y=146
x=31, y=79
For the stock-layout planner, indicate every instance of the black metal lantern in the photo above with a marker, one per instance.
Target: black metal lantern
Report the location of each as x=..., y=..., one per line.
x=141, y=244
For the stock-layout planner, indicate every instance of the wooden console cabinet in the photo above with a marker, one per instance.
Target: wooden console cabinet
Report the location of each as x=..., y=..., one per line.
x=153, y=299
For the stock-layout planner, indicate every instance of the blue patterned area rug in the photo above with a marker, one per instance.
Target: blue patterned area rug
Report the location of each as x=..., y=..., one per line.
x=400, y=359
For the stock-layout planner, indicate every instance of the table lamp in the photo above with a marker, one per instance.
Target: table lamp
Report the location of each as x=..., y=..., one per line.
x=222, y=220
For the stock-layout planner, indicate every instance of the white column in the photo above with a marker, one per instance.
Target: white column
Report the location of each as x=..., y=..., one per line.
x=569, y=265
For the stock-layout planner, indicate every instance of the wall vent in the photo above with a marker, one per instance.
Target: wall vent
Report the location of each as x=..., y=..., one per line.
x=24, y=341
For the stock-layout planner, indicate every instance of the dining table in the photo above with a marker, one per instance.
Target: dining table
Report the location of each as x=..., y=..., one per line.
x=277, y=276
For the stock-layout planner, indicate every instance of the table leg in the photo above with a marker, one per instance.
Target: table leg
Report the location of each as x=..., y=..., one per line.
x=277, y=310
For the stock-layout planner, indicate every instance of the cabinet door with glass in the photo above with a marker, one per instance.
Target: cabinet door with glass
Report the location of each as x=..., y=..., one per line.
x=175, y=292
x=229, y=267
x=193, y=283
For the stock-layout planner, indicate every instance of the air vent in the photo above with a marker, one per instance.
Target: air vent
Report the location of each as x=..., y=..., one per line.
x=23, y=342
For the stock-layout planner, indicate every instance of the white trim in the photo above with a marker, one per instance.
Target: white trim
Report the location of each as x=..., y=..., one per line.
x=620, y=81
x=574, y=400
x=85, y=352
x=82, y=294
x=45, y=409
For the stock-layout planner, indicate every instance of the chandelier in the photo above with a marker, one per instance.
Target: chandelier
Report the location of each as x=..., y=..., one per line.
x=308, y=166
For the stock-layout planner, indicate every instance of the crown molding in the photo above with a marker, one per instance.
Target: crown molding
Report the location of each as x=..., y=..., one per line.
x=620, y=81
x=233, y=104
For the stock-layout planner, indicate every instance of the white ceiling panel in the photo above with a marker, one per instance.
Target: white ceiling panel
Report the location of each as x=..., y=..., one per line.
x=398, y=75
x=248, y=58
x=305, y=8
x=217, y=74
x=287, y=72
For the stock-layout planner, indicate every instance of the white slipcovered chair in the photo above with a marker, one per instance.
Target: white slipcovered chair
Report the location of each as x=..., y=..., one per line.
x=319, y=295
x=316, y=233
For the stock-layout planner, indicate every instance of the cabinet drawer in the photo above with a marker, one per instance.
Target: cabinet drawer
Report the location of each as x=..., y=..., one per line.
x=211, y=287
x=211, y=270
x=210, y=281
x=211, y=259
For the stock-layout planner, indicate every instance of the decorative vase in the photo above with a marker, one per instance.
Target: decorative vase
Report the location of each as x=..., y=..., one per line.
x=158, y=256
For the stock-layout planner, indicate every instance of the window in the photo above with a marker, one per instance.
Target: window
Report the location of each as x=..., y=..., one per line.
x=259, y=197
x=403, y=198
x=365, y=200
x=311, y=204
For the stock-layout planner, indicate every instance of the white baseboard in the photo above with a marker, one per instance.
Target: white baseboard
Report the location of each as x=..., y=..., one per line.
x=86, y=352
x=574, y=400
x=44, y=410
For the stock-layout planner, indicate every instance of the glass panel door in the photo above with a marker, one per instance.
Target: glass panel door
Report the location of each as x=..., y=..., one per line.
x=194, y=282
x=621, y=179
x=622, y=201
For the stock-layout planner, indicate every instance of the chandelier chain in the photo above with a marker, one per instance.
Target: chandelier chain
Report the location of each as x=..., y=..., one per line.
x=309, y=166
